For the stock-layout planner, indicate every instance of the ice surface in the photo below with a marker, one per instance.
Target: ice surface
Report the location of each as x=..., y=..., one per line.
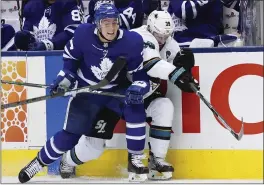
x=86, y=180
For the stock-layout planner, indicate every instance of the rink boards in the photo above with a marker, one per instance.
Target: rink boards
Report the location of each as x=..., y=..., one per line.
x=201, y=148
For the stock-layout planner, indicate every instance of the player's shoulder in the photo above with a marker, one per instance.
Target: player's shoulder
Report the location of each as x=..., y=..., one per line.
x=86, y=28
x=133, y=38
x=172, y=44
x=148, y=38
x=140, y=29
x=145, y=34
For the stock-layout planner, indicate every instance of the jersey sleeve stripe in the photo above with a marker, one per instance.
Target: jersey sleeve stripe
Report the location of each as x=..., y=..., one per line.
x=193, y=9
x=71, y=28
x=67, y=53
x=137, y=69
x=150, y=63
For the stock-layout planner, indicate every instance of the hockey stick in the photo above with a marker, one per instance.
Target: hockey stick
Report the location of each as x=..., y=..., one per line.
x=117, y=66
x=25, y=84
x=239, y=135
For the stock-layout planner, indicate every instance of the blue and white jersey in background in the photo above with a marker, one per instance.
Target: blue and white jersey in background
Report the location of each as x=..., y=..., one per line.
x=56, y=22
x=131, y=12
x=196, y=19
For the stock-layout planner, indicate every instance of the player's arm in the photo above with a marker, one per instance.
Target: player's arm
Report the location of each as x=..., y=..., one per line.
x=179, y=73
x=24, y=37
x=72, y=56
x=72, y=18
x=188, y=9
x=140, y=78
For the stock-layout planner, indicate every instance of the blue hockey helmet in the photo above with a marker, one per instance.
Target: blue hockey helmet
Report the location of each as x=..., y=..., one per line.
x=105, y=11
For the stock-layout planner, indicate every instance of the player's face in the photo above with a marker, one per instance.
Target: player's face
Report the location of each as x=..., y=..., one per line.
x=109, y=28
x=161, y=38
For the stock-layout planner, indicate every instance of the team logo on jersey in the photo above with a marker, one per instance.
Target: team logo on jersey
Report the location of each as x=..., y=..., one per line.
x=149, y=44
x=179, y=23
x=168, y=54
x=101, y=72
x=45, y=30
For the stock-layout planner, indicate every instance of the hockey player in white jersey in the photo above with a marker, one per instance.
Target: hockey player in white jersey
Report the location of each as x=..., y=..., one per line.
x=163, y=59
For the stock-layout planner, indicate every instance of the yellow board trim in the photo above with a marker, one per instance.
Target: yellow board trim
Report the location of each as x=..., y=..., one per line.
x=189, y=164
x=12, y=161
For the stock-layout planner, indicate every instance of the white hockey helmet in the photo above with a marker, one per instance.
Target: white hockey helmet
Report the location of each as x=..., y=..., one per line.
x=161, y=25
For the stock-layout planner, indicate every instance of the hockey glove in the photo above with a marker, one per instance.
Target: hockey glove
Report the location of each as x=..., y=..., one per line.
x=184, y=58
x=23, y=39
x=63, y=82
x=42, y=46
x=135, y=92
x=181, y=77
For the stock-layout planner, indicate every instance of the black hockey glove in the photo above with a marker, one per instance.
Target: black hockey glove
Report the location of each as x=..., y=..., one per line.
x=184, y=58
x=182, y=76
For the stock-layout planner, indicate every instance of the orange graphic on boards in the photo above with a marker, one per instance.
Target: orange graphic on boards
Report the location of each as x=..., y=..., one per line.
x=14, y=119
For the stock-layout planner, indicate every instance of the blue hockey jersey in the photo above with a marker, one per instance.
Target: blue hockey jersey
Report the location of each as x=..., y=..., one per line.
x=89, y=58
x=196, y=19
x=7, y=37
x=131, y=13
x=56, y=22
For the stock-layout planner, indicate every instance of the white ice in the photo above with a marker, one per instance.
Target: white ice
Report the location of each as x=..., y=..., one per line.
x=85, y=180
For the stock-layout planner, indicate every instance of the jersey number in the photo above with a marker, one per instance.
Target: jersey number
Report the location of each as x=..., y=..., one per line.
x=129, y=14
x=76, y=15
x=167, y=23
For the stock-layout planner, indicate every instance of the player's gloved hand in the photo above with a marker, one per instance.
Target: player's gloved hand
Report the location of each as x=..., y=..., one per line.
x=135, y=92
x=181, y=77
x=41, y=46
x=184, y=58
x=23, y=39
x=63, y=82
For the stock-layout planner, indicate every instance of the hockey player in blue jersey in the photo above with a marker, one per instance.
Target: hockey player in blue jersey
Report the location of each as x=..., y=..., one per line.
x=48, y=24
x=88, y=57
x=7, y=37
x=162, y=55
x=196, y=19
x=131, y=12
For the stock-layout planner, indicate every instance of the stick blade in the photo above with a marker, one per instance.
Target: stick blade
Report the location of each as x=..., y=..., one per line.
x=241, y=132
x=239, y=135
